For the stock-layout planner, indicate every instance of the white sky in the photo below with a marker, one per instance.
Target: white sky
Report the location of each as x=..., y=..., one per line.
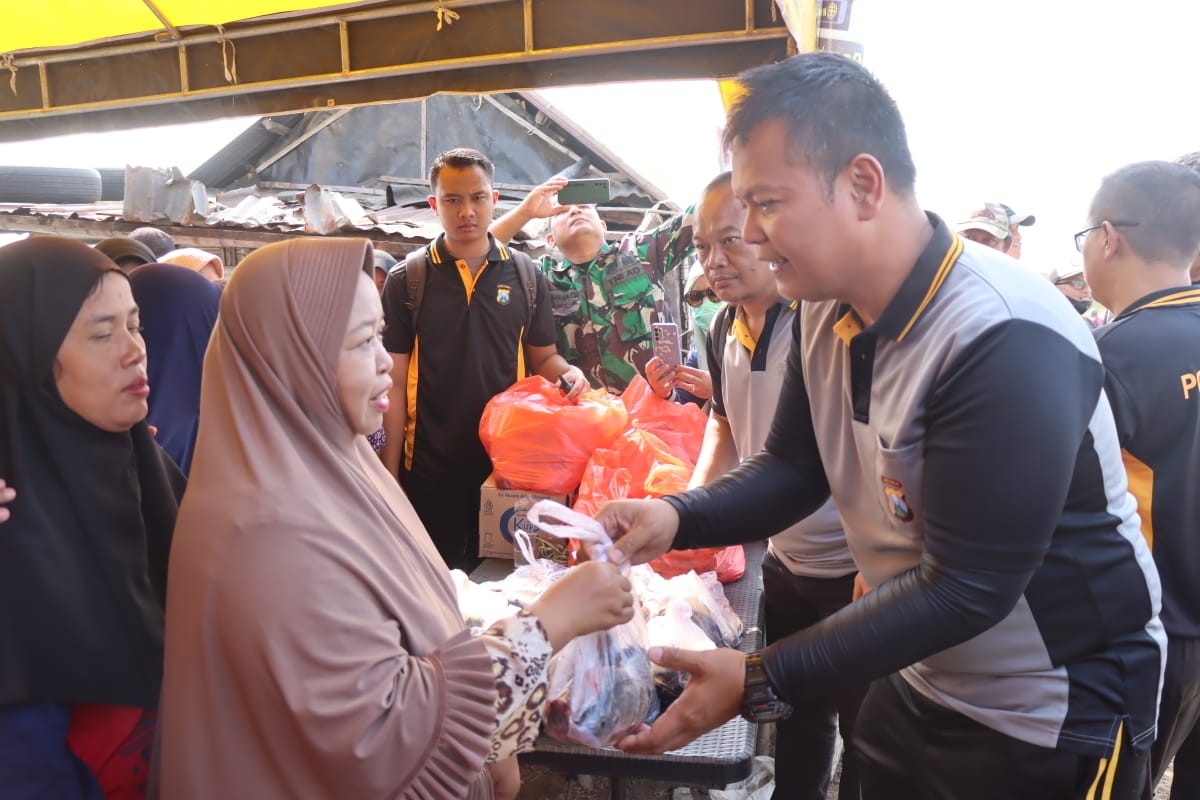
x=1026, y=102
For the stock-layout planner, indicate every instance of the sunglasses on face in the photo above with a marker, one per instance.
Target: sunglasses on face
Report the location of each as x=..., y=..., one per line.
x=1077, y=283
x=695, y=297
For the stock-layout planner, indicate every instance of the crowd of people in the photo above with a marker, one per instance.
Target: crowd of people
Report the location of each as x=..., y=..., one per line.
x=229, y=504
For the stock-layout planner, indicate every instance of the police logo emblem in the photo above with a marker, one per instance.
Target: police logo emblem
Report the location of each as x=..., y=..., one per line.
x=503, y=294
x=897, y=502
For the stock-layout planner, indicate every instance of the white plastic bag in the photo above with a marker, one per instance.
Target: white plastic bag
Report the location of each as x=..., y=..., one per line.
x=480, y=606
x=710, y=608
x=759, y=785
x=526, y=583
x=675, y=628
x=601, y=685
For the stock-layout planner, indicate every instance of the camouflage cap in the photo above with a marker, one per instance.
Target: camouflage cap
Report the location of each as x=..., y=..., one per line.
x=1017, y=217
x=992, y=218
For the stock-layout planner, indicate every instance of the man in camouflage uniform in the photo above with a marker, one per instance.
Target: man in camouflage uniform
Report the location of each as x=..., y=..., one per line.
x=604, y=296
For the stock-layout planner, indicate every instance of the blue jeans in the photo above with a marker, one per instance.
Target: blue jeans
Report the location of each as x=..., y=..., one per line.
x=35, y=762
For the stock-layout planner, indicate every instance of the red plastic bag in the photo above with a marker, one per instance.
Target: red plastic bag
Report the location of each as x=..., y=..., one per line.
x=540, y=441
x=667, y=478
x=604, y=479
x=728, y=562
x=625, y=470
x=679, y=425
x=640, y=464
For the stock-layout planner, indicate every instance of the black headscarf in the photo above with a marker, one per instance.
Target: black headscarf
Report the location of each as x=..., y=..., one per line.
x=83, y=558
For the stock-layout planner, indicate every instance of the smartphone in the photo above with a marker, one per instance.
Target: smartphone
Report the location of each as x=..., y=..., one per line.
x=666, y=343
x=584, y=191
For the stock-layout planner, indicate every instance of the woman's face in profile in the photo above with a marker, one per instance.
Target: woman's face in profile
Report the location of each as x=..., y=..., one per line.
x=363, y=368
x=100, y=370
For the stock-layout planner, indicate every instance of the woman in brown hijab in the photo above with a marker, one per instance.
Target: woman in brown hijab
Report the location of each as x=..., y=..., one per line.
x=314, y=645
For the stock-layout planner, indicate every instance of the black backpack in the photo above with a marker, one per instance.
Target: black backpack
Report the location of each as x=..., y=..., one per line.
x=416, y=266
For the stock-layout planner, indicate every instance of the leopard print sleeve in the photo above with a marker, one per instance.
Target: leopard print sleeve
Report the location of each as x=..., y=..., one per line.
x=520, y=652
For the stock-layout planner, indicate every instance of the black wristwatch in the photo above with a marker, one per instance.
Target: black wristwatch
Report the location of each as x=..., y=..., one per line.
x=760, y=703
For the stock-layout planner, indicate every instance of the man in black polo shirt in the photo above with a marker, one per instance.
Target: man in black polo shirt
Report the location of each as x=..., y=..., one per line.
x=475, y=337
x=954, y=408
x=1142, y=236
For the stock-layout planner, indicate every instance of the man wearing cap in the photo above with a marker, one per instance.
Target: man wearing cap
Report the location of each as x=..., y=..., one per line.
x=1074, y=286
x=988, y=226
x=605, y=296
x=1015, y=223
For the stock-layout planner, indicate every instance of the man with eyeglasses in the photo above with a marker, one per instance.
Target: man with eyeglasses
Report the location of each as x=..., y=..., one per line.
x=1138, y=267
x=1074, y=287
x=690, y=381
x=987, y=226
x=605, y=297
x=702, y=303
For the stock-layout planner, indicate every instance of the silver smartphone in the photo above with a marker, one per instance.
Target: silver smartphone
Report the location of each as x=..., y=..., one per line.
x=666, y=343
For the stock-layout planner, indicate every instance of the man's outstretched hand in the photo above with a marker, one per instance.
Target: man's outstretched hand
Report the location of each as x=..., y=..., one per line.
x=642, y=530
x=713, y=695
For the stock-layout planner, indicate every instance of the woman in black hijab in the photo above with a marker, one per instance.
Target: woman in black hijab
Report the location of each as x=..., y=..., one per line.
x=83, y=555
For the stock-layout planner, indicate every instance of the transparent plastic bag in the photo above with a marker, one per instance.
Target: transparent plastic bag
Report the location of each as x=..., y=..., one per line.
x=675, y=628
x=526, y=583
x=480, y=605
x=710, y=609
x=601, y=684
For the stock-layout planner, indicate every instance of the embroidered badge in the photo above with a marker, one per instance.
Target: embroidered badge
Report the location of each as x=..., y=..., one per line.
x=897, y=502
x=503, y=294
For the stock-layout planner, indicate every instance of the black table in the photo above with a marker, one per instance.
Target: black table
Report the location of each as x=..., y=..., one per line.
x=718, y=758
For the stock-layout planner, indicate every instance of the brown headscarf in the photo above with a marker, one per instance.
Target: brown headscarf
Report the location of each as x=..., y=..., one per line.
x=314, y=647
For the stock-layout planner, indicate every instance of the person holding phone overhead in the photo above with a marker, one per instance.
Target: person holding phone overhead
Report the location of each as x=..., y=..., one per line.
x=605, y=297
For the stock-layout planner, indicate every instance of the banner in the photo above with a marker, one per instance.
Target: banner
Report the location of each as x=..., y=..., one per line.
x=836, y=33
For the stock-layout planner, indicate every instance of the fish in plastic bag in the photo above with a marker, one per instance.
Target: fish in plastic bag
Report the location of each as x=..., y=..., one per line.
x=675, y=628
x=601, y=685
x=710, y=608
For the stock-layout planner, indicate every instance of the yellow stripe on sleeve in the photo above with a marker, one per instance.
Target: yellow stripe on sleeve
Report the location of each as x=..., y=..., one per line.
x=1141, y=486
x=410, y=394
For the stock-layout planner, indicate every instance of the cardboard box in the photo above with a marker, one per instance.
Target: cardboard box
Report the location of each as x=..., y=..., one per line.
x=501, y=511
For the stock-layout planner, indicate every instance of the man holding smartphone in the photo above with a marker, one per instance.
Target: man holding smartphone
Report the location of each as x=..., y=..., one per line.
x=605, y=297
